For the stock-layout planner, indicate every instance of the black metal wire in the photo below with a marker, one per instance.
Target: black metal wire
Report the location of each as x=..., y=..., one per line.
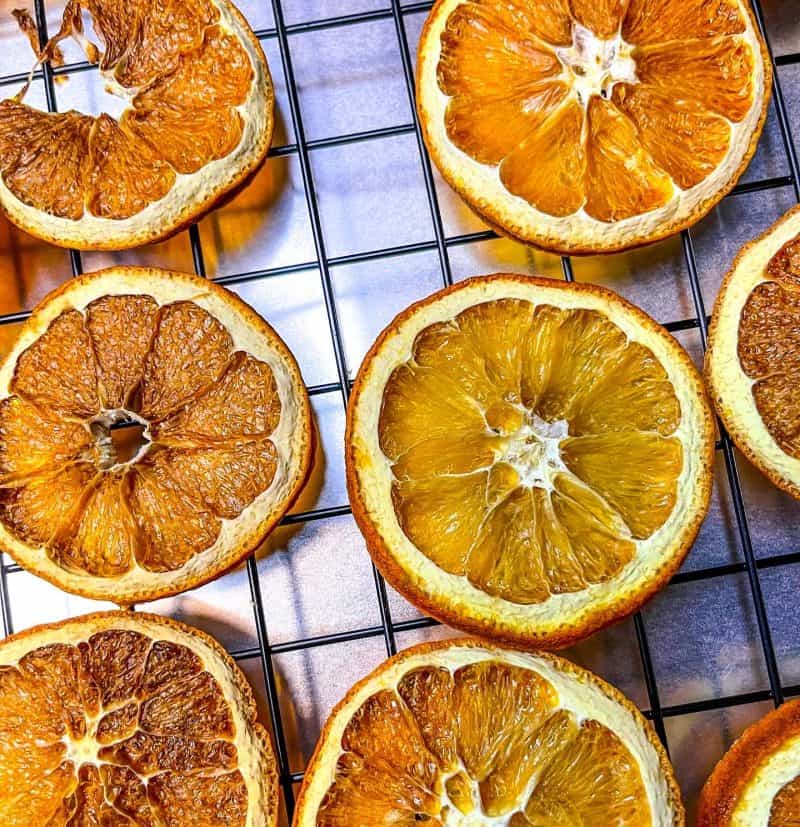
x=441, y=243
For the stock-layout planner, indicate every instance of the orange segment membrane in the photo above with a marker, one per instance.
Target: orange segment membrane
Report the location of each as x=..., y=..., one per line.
x=59, y=691
x=661, y=21
x=44, y=157
x=785, y=805
x=530, y=447
x=101, y=505
x=530, y=87
x=769, y=348
x=497, y=745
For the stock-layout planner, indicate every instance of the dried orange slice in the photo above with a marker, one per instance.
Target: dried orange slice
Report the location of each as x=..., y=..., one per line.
x=757, y=782
x=585, y=127
x=528, y=459
x=153, y=430
x=465, y=733
x=122, y=719
x=199, y=122
x=753, y=358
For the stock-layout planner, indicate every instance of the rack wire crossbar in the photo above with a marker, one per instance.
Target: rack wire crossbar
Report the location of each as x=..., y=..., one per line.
x=442, y=244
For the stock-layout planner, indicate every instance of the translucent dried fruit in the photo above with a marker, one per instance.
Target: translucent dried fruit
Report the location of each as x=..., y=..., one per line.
x=621, y=178
x=597, y=110
x=659, y=21
x=683, y=138
x=44, y=157
x=593, y=779
x=31, y=441
x=502, y=746
x=485, y=422
x=716, y=73
x=172, y=527
x=121, y=328
x=133, y=428
x=190, y=351
x=58, y=371
x=125, y=175
x=548, y=168
x=242, y=404
x=78, y=746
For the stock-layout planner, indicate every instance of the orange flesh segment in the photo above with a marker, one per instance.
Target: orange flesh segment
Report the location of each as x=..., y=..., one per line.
x=684, y=139
x=769, y=346
x=501, y=723
x=621, y=178
x=44, y=157
x=786, y=806
x=510, y=107
x=716, y=73
x=548, y=168
x=660, y=21
x=56, y=690
x=125, y=175
x=99, y=504
x=456, y=424
x=192, y=77
x=188, y=116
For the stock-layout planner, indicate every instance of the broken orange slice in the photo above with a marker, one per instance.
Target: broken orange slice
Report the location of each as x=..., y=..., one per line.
x=586, y=127
x=199, y=122
x=153, y=430
x=528, y=459
x=465, y=733
x=122, y=719
x=757, y=782
x=753, y=359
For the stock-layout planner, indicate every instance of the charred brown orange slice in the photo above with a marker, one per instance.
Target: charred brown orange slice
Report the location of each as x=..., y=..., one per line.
x=463, y=733
x=753, y=359
x=199, y=122
x=153, y=430
x=757, y=782
x=587, y=127
x=123, y=719
x=528, y=459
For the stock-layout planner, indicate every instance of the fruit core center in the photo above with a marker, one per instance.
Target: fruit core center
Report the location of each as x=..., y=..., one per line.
x=83, y=751
x=534, y=452
x=593, y=66
x=121, y=438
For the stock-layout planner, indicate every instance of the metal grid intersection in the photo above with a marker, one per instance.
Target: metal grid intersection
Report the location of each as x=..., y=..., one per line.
x=441, y=244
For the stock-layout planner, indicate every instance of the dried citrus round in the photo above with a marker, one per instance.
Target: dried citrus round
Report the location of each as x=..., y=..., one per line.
x=753, y=359
x=122, y=719
x=587, y=126
x=153, y=430
x=528, y=459
x=463, y=733
x=757, y=782
x=199, y=121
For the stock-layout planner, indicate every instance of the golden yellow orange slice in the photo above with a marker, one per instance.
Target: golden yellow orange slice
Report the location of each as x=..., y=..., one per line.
x=198, y=123
x=757, y=782
x=586, y=127
x=465, y=733
x=753, y=359
x=122, y=719
x=153, y=430
x=528, y=459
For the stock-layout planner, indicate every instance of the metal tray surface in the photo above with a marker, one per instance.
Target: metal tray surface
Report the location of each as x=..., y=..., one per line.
x=345, y=225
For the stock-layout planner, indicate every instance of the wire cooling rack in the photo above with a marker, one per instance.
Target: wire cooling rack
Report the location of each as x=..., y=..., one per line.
x=332, y=222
